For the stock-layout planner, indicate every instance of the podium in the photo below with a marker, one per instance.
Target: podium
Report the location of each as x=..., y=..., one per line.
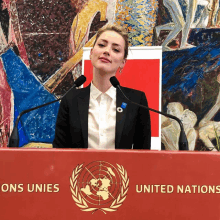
x=116, y=184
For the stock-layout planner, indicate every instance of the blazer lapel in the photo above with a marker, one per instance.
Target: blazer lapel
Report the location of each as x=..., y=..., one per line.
x=120, y=117
x=83, y=106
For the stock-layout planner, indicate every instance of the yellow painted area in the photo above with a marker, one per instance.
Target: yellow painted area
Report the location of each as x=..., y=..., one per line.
x=37, y=145
x=140, y=6
x=141, y=21
x=81, y=23
x=140, y=38
x=139, y=1
x=128, y=18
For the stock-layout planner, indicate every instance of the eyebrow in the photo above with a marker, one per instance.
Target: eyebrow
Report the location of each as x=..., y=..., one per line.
x=115, y=44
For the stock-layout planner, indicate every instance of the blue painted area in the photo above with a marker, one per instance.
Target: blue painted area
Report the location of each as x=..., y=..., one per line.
x=205, y=36
x=22, y=136
x=182, y=69
x=189, y=76
x=38, y=125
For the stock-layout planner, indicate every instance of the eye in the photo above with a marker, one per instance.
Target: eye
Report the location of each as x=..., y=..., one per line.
x=101, y=45
x=116, y=50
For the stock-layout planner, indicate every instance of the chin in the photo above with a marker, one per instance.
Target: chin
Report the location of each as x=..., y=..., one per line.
x=105, y=70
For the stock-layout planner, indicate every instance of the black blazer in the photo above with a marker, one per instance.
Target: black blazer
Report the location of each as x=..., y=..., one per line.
x=132, y=125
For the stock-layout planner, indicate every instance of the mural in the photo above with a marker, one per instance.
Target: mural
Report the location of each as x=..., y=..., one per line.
x=188, y=32
x=41, y=51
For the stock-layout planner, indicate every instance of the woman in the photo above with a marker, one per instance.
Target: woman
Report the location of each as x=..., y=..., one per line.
x=98, y=116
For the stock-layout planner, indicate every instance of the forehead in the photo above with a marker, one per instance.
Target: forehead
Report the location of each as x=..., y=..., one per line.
x=112, y=37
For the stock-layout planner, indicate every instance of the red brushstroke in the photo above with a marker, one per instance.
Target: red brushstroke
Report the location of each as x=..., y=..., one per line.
x=5, y=108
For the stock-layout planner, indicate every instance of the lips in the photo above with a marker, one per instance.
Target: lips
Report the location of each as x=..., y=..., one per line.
x=104, y=59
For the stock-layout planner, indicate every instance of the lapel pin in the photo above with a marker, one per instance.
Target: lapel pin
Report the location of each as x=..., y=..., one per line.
x=123, y=105
x=119, y=109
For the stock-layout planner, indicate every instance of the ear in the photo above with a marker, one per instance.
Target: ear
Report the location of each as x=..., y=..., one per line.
x=123, y=63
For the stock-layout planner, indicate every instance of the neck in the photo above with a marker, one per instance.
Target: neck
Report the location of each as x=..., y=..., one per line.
x=101, y=81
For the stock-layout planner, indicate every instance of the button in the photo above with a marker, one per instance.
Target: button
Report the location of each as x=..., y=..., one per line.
x=119, y=109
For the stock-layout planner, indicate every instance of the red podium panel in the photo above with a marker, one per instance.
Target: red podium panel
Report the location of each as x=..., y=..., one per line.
x=86, y=184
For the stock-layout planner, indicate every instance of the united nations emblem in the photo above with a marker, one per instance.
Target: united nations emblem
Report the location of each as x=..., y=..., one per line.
x=99, y=186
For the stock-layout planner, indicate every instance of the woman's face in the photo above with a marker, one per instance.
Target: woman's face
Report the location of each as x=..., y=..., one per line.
x=108, y=53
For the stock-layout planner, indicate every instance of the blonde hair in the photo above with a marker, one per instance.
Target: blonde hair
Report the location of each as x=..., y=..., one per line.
x=118, y=29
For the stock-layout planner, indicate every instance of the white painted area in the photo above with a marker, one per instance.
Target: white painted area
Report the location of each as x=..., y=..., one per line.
x=156, y=142
x=110, y=14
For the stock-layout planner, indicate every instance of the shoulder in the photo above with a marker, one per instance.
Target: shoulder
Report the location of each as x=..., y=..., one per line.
x=74, y=93
x=133, y=93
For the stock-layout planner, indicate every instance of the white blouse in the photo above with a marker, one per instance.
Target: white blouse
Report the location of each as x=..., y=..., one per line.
x=102, y=118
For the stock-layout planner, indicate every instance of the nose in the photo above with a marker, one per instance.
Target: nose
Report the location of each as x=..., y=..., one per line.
x=107, y=51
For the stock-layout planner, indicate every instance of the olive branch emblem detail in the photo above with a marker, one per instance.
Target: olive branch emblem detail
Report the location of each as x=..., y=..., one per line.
x=81, y=202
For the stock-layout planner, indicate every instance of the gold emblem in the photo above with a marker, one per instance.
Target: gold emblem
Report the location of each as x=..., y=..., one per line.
x=99, y=186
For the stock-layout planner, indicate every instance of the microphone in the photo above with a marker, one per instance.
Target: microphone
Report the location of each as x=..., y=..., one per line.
x=183, y=143
x=79, y=81
x=14, y=138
